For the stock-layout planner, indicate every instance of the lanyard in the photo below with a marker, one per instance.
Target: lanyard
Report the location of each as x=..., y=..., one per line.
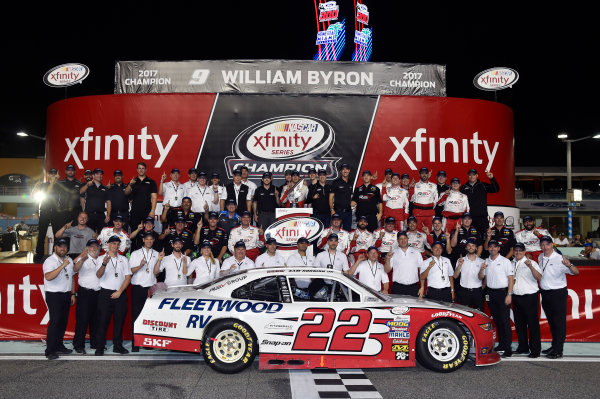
x=305, y=262
x=114, y=265
x=180, y=263
x=201, y=192
x=239, y=263
x=207, y=266
x=373, y=268
x=65, y=269
x=544, y=265
x=334, y=255
x=440, y=267
x=147, y=259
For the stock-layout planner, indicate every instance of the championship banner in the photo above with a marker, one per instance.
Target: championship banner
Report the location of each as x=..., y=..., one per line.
x=281, y=77
x=24, y=314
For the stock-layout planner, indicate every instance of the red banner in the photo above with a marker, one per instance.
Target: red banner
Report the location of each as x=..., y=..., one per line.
x=24, y=316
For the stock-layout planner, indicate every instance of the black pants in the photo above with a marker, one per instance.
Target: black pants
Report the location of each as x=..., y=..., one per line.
x=554, y=303
x=325, y=218
x=501, y=315
x=137, y=216
x=346, y=219
x=266, y=219
x=471, y=297
x=96, y=221
x=437, y=294
x=139, y=295
x=46, y=218
x=70, y=216
x=481, y=223
x=86, y=316
x=58, y=308
x=527, y=322
x=402, y=289
x=107, y=307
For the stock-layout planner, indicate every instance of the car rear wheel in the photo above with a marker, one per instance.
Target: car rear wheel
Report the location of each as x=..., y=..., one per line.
x=442, y=345
x=229, y=346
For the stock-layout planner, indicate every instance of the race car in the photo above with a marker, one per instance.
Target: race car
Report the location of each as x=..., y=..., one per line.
x=305, y=318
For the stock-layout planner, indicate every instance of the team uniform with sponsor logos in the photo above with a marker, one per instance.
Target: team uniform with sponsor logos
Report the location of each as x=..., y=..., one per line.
x=505, y=237
x=417, y=240
x=221, y=195
x=246, y=263
x=251, y=188
x=250, y=237
x=87, y=304
x=266, y=260
x=372, y=275
x=228, y=222
x=206, y=271
x=470, y=293
x=367, y=200
x=173, y=192
x=108, y=232
x=191, y=218
x=496, y=275
x=387, y=243
x=531, y=240
x=439, y=207
x=442, y=237
x=455, y=205
x=396, y=204
x=461, y=240
x=186, y=236
x=200, y=196
x=424, y=198
x=217, y=237
x=343, y=240
x=362, y=240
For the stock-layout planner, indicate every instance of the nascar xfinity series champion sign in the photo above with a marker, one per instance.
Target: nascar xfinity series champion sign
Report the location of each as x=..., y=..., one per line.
x=270, y=76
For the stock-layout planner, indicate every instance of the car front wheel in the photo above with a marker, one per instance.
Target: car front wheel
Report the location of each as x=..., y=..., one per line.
x=442, y=345
x=229, y=346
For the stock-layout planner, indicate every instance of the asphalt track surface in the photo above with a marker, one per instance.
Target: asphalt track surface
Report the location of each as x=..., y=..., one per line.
x=134, y=377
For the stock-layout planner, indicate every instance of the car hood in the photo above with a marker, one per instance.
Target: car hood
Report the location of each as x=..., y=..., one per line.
x=410, y=301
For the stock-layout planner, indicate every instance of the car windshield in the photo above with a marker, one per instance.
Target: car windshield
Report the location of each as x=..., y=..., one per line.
x=371, y=291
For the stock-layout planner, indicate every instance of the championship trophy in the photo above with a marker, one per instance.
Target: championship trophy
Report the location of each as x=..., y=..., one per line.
x=294, y=194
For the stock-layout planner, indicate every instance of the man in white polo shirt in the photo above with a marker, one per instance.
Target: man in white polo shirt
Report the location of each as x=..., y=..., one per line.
x=498, y=272
x=370, y=271
x=177, y=265
x=270, y=258
x=470, y=292
x=239, y=260
x=525, y=302
x=439, y=275
x=332, y=258
x=405, y=262
x=300, y=258
x=114, y=274
x=60, y=295
x=554, y=293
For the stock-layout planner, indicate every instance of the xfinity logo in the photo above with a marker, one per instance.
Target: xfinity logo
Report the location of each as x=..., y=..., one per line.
x=66, y=75
x=287, y=231
x=103, y=146
x=496, y=79
x=460, y=153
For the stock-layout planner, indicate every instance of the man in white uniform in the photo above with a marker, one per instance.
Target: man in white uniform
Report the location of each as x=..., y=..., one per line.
x=405, y=263
x=177, y=265
x=332, y=258
x=370, y=271
x=439, y=275
x=270, y=258
x=470, y=292
x=300, y=258
x=172, y=191
x=239, y=260
x=116, y=230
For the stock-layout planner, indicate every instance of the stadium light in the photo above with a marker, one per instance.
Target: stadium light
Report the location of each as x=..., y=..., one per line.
x=24, y=134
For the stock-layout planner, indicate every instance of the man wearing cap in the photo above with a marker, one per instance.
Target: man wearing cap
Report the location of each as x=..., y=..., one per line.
x=79, y=235
x=442, y=188
x=525, y=302
x=287, y=175
x=502, y=234
x=143, y=193
x=335, y=228
x=454, y=204
x=270, y=257
x=219, y=190
x=97, y=204
x=312, y=177
x=137, y=236
x=87, y=176
x=180, y=232
x=119, y=202
x=477, y=192
x=189, y=187
x=498, y=273
x=266, y=199
x=589, y=251
x=367, y=200
x=370, y=271
x=175, y=265
x=191, y=218
x=238, y=192
x=423, y=199
x=202, y=195
x=437, y=234
x=318, y=199
x=239, y=260
x=300, y=257
x=59, y=288
x=553, y=285
x=48, y=210
x=215, y=235
x=295, y=193
x=530, y=237
x=341, y=196
x=115, y=230
x=405, y=263
x=439, y=275
x=417, y=239
x=115, y=275
x=562, y=240
x=332, y=258
x=387, y=238
x=463, y=232
x=470, y=292
x=205, y=266
x=172, y=191
x=142, y=263
x=251, y=236
x=87, y=296
x=69, y=197
x=251, y=185
x=229, y=218
x=387, y=180
x=396, y=203
x=362, y=239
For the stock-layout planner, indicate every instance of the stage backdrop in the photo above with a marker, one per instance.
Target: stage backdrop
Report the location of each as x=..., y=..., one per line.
x=219, y=132
x=24, y=315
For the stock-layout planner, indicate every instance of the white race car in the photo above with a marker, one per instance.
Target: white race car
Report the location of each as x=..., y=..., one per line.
x=306, y=318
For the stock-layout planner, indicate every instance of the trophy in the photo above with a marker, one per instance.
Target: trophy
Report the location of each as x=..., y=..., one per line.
x=294, y=194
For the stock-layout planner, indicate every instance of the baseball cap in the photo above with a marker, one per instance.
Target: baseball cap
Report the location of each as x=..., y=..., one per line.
x=411, y=219
x=401, y=233
x=118, y=217
x=527, y=217
x=372, y=247
x=396, y=175
x=61, y=242
x=466, y=215
x=336, y=216
x=362, y=217
x=267, y=175
x=70, y=167
x=239, y=244
x=230, y=201
x=519, y=245
x=333, y=236
x=98, y=170
x=192, y=170
x=175, y=170
x=246, y=213
x=494, y=242
x=366, y=172
x=205, y=244
x=202, y=175
x=149, y=219
x=441, y=173
x=423, y=170
x=237, y=172
x=498, y=213
x=322, y=172
x=215, y=175
x=471, y=240
x=92, y=242
x=295, y=173
x=114, y=239
x=176, y=239
x=118, y=172
x=243, y=167
x=213, y=215
x=437, y=243
x=344, y=166
x=86, y=172
x=302, y=239
x=271, y=240
x=455, y=180
x=546, y=239
x=180, y=219
x=287, y=172
x=561, y=234
x=405, y=176
x=312, y=170
x=147, y=234
x=388, y=171
x=53, y=171
x=390, y=219
x=472, y=172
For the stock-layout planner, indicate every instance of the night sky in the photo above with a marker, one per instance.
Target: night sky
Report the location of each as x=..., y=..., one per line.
x=554, y=50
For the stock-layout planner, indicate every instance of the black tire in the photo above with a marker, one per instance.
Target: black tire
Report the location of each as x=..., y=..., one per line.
x=442, y=346
x=229, y=346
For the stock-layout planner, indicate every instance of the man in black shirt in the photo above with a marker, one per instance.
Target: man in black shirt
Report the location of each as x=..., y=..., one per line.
x=177, y=231
x=216, y=235
x=97, y=204
x=442, y=187
x=229, y=218
x=318, y=198
x=119, y=203
x=367, y=200
x=340, y=197
x=239, y=192
x=144, y=192
x=48, y=210
x=460, y=237
x=266, y=199
x=191, y=219
x=502, y=234
x=477, y=192
x=69, y=197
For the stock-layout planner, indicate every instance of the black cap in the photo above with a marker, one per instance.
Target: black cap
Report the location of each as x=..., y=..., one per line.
x=147, y=234
x=237, y=172
x=98, y=170
x=215, y=174
x=117, y=172
x=441, y=173
x=436, y=218
x=411, y=219
x=396, y=175
x=295, y=173
x=287, y=172
x=213, y=215
x=149, y=219
x=186, y=198
x=243, y=167
x=205, y=244
x=312, y=170
x=180, y=219
x=118, y=217
x=267, y=175
x=176, y=239
x=192, y=170
x=423, y=170
x=53, y=171
x=202, y=175
x=493, y=242
x=388, y=171
x=60, y=242
x=322, y=172
x=526, y=218
x=70, y=167
x=472, y=172
x=437, y=243
x=455, y=180
x=401, y=233
x=332, y=236
x=240, y=244
x=362, y=217
x=546, y=239
x=175, y=170
x=498, y=213
x=390, y=219
x=405, y=176
x=92, y=242
x=336, y=216
x=519, y=245
x=270, y=240
x=303, y=239
x=86, y=172
x=471, y=240
x=246, y=213
x=372, y=247
x=345, y=166
x=366, y=172
x=466, y=215
x=114, y=239
x=230, y=201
